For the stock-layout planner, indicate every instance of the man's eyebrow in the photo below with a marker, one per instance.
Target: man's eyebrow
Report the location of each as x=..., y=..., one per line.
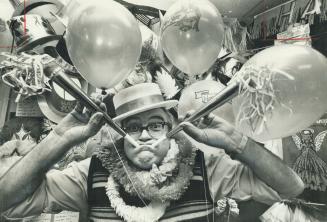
x=131, y=119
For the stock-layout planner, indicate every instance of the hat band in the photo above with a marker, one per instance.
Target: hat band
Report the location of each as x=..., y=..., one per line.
x=138, y=103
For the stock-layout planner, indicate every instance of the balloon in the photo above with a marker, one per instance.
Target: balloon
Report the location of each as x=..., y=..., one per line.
x=198, y=94
x=191, y=35
x=290, y=92
x=104, y=42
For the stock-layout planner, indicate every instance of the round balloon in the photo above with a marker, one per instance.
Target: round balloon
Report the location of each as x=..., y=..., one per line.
x=191, y=35
x=199, y=94
x=104, y=42
x=287, y=92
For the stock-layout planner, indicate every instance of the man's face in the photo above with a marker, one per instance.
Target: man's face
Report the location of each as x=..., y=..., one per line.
x=146, y=128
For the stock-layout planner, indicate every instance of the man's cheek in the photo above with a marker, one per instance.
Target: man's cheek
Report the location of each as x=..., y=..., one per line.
x=163, y=148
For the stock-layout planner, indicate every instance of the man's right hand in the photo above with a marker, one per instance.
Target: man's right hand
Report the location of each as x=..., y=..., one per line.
x=22, y=179
x=214, y=131
x=80, y=124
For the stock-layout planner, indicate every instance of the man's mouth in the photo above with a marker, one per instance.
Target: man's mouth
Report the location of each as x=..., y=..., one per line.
x=150, y=145
x=145, y=147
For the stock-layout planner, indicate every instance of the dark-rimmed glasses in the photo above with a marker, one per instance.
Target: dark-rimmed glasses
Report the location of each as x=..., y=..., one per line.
x=155, y=129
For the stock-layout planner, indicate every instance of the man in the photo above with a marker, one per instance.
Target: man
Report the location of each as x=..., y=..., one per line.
x=167, y=181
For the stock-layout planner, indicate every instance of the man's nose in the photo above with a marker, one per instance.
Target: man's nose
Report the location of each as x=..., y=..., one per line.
x=145, y=135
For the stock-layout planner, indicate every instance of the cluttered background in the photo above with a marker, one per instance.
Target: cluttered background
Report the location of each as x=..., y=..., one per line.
x=80, y=43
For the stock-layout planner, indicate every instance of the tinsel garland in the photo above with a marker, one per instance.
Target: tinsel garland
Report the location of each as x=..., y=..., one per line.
x=235, y=37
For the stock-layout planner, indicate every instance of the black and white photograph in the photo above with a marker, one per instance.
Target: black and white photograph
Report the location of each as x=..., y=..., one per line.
x=163, y=110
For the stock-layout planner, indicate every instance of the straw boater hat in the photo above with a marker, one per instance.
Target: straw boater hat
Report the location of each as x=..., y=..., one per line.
x=139, y=98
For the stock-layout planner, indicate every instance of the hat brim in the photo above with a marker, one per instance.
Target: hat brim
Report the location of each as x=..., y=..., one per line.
x=165, y=104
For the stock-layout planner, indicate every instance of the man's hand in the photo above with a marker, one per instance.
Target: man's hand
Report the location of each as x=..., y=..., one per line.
x=80, y=124
x=214, y=131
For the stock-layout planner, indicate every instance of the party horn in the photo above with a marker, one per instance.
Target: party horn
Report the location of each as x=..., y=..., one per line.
x=220, y=99
x=57, y=75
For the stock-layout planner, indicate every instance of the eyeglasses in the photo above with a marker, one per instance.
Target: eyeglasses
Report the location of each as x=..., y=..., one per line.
x=155, y=129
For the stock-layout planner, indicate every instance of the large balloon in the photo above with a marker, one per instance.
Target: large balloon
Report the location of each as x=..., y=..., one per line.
x=290, y=92
x=199, y=94
x=104, y=42
x=191, y=35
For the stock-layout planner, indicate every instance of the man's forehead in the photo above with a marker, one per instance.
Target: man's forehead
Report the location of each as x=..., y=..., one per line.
x=150, y=114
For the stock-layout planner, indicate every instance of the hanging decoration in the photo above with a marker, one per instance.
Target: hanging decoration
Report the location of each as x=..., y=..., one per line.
x=277, y=20
x=31, y=31
x=227, y=210
x=24, y=73
x=295, y=34
x=167, y=84
x=235, y=36
x=308, y=165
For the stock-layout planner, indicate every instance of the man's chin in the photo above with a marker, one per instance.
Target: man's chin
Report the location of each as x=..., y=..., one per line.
x=145, y=159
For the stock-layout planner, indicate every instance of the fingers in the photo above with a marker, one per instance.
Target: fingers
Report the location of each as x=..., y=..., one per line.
x=185, y=143
x=187, y=115
x=79, y=107
x=87, y=113
x=96, y=96
x=83, y=114
x=96, y=119
x=98, y=100
x=203, y=122
x=194, y=132
x=94, y=124
x=206, y=121
x=213, y=121
x=103, y=106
